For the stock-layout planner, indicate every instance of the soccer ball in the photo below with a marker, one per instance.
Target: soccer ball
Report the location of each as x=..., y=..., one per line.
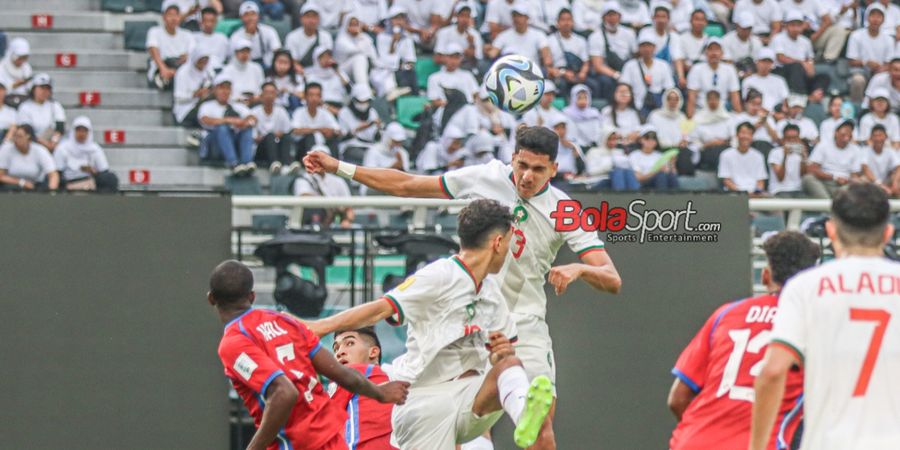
x=514, y=83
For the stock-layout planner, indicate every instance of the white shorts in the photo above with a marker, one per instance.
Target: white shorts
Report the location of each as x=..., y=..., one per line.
x=440, y=416
x=535, y=348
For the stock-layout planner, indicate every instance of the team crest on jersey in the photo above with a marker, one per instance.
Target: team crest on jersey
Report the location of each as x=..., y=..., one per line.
x=244, y=365
x=406, y=283
x=520, y=214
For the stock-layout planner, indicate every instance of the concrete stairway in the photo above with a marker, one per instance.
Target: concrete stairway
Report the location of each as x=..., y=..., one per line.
x=152, y=141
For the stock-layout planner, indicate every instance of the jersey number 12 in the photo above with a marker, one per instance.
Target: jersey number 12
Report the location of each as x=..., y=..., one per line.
x=742, y=344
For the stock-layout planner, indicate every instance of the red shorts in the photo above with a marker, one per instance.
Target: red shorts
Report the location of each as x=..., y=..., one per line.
x=336, y=443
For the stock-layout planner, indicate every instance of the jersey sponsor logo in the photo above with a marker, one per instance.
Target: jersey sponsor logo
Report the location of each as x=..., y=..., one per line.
x=406, y=283
x=761, y=314
x=270, y=330
x=244, y=365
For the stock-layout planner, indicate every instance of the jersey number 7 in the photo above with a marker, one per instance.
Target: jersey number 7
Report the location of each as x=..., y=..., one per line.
x=881, y=319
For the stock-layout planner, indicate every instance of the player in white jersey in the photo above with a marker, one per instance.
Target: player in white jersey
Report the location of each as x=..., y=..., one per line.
x=458, y=321
x=524, y=185
x=840, y=320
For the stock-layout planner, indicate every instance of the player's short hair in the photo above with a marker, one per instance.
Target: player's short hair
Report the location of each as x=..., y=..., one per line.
x=788, y=253
x=860, y=213
x=540, y=140
x=230, y=282
x=367, y=334
x=481, y=218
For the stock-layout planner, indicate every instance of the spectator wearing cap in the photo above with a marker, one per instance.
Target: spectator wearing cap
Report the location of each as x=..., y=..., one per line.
x=586, y=120
x=446, y=154
x=168, y=46
x=794, y=53
x=481, y=149
x=740, y=46
x=522, y=40
x=191, y=18
x=395, y=66
x=796, y=104
x=668, y=42
x=647, y=75
x=283, y=74
x=764, y=126
x=891, y=16
x=358, y=120
x=15, y=71
x=8, y=116
x=880, y=162
x=313, y=124
x=879, y=114
x=623, y=114
x=303, y=42
x=370, y=12
x=26, y=164
x=787, y=165
x=354, y=50
x=828, y=39
x=833, y=163
x=767, y=17
x=263, y=38
x=389, y=153
x=498, y=16
x=869, y=51
x=609, y=47
x=463, y=33
x=569, y=155
x=607, y=166
x=544, y=112
x=543, y=13
x=713, y=75
x=425, y=18
x=645, y=163
x=245, y=75
x=229, y=129
x=334, y=82
x=588, y=15
x=569, y=52
x=216, y=44
x=888, y=81
x=499, y=125
x=272, y=133
x=330, y=13
x=693, y=41
x=635, y=14
x=193, y=83
x=82, y=162
x=773, y=88
x=743, y=168
x=45, y=115
x=451, y=77
x=324, y=185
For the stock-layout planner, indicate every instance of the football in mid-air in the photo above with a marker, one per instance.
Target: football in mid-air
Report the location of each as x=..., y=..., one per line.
x=514, y=83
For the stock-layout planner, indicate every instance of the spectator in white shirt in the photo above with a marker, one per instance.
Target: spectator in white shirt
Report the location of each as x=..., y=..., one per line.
x=828, y=38
x=303, y=42
x=644, y=159
x=740, y=46
x=446, y=154
x=324, y=185
x=246, y=76
x=494, y=123
x=588, y=14
x=544, y=112
x=622, y=114
x=668, y=42
x=713, y=75
x=15, y=71
x=773, y=88
x=497, y=17
x=216, y=44
x=880, y=162
x=425, y=18
x=795, y=55
x=787, y=165
x=568, y=155
x=313, y=124
x=879, y=114
x=670, y=121
x=869, y=50
x=609, y=48
x=396, y=60
x=45, y=115
x=767, y=16
x=693, y=41
x=263, y=38
x=889, y=81
x=765, y=133
x=359, y=121
x=608, y=164
x=289, y=84
x=569, y=52
x=891, y=16
x=81, y=161
x=272, y=133
x=330, y=13
x=635, y=14
x=833, y=164
x=586, y=120
x=192, y=85
x=743, y=168
x=354, y=50
x=229, y=129
x=712, y=133
x=827, y=126
x=647, y=75
x=169, y=47
x=389, y=153
x=522, y=40
x=451, y=77
x=25, y=164
x=461, y=32
x=191, y=11
x=796, y=105
x=334, y=82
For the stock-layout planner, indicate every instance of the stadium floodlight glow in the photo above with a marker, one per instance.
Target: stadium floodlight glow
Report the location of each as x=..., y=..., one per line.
x=300, y=296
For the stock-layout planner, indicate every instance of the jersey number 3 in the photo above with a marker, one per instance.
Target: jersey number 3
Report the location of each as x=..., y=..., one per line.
x=881, y=319
x=519, y=243
x=742, y=344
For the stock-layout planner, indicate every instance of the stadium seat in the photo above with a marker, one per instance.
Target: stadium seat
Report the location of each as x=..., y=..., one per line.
x=281, y=184
x=228, y=26
x=354, y=155
x=408, y=107
x=383, y=108
x=243, y=185
x=815, y=112
x=559, y=103
x=283, y=26
x=136, y=34
x=131, y=6
x=269, y=223
x=714, y=29
x=425, y=66
x=764, y=223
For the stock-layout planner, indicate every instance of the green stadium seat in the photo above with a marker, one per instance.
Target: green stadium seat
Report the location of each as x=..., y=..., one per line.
x=243, y=185
x=228, y=26
x=714, y=30
x=136, y=34
x=425, y=66
x=131, y=6
x=559, y=103
x=408, y=107
x=283, y=26
x=281, y=184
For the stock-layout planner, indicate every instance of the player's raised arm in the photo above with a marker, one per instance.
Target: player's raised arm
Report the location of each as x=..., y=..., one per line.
x=390, y=181
x=357, y=383
x=281, y=396
x=352, y=319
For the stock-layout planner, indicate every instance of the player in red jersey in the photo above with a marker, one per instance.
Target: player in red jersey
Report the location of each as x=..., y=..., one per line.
x=712, y=396
x=273, y=361
x=369, y=422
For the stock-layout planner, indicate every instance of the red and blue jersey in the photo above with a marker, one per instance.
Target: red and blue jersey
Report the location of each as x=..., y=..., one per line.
x=369, y=423
x=260, y=346
x=720, y=365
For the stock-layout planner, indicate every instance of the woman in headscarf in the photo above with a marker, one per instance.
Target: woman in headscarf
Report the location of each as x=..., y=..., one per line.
x=324, y=71
x=80, y=159
x=25, y=164
x=354, y=49
x=447, y=154
x=669, y=120
x=586, y=120
x=192, y=87
x=15, y=71
x=608, y=164
x=712, y=133
x=45, y=115
x=623, y=115
x=358, y=120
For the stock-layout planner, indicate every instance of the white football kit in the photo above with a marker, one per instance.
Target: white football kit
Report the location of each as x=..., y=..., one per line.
x=449, y=319
x=533, y=249
x=842, y=319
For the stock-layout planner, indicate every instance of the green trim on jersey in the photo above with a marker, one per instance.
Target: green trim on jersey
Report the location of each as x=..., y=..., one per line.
x=401, y=317
x=445, y=188
x=465, y=268
x=588, y=249
x=790, y=347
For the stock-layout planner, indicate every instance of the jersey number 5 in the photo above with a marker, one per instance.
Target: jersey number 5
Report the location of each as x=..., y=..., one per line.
x=881, y=319
x=742, y=344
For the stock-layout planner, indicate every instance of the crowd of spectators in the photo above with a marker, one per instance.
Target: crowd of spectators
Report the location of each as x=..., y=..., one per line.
x=783, y=98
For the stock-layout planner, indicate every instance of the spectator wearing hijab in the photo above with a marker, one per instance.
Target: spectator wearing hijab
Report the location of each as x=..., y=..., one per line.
x=272, y=132
x=246, y=75
x=25, y=164
x=354, y=50
x=608, y=166
x=168, y=46
x=229, y=129
x=192, y=86
x=45, y=115
x=82, y=162
x=263, y=38
x=481, y=149
x=15, y=71
x=389, y=153
x=711, y=135
x=671, y=125
x=333, y=82
x=569, y=156
x=358, y=120
x=585, y=119
x=394, y=72
x=449, y=153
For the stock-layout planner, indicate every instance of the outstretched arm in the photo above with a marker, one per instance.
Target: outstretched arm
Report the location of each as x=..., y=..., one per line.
x=389, y=181
x=353, y=381
x=353, y=318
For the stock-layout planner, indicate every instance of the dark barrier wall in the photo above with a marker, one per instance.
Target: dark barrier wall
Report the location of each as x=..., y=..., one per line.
x=107, y=341
x=615, y=353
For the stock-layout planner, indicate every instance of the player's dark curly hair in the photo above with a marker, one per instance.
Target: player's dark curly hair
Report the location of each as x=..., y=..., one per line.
x=540, y=140
x=860, y=213
x=368, y=334
x=230, y=282
x=788, y=253
x=480, y=219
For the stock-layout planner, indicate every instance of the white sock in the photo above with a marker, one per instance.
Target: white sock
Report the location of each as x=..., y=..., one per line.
x=513, y=386
x=479, y=443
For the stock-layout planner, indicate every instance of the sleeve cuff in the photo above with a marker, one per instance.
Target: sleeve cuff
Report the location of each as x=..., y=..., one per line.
x=686, y=380
x=398, y=318
x=312, y=353
x=445, y=189
x=791, y=348
x=269, y=381
x=591, y=249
